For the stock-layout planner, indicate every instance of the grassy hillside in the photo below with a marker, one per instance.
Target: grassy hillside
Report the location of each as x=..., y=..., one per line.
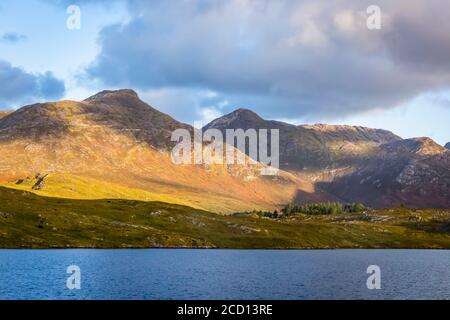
x=31, y=221
x=71, y=186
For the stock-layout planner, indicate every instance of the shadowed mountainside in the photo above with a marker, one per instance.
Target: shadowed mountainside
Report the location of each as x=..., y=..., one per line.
x=412, y=172
x=357, y=164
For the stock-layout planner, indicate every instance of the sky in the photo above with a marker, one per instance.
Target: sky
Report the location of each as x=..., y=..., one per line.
x=304, y=61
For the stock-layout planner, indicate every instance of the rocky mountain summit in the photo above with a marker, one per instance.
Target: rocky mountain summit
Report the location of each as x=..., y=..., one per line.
x=311, y=147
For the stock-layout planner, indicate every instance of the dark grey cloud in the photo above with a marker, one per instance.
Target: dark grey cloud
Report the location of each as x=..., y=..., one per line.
x=12, y=37
x=21, y=87
x=282, y=58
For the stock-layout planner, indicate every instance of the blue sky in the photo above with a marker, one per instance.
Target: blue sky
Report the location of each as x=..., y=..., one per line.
x=304, y=61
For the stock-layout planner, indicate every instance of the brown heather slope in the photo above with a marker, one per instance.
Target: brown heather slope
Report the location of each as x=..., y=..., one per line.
x=72, y=149
x=4, y=113
x=357, y=164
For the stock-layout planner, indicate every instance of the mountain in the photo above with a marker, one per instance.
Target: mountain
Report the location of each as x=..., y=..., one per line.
x=314, y=147
x=357, y=164
x=121, y=112
x=447, y=146
x=116, y=146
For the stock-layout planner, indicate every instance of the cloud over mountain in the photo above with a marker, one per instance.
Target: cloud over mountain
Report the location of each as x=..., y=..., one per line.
x=19, y=86
x=298, y=57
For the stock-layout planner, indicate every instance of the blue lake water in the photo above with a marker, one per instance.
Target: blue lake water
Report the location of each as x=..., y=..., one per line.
x=224, y=274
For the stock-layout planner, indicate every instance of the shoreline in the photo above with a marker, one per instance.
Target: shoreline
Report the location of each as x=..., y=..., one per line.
x=227, y=249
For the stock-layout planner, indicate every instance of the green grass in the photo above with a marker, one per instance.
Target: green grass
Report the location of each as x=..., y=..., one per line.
x=31, y=221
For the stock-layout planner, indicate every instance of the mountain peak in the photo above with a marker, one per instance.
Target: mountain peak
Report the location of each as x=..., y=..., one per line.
x=427, y=146
x=242, y=114
x=113, y=94
x=240, y=118
x=419, y=146
x=244, y=111
x=119, y=111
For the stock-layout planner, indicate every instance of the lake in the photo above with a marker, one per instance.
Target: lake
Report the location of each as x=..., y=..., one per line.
x=224, y=274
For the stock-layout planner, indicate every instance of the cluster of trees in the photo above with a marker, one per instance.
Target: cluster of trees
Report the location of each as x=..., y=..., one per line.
x=317, y=209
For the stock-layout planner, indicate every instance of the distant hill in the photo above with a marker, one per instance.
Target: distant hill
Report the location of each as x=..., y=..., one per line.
x=307, y=147
x=447, y=145
x=357, y=164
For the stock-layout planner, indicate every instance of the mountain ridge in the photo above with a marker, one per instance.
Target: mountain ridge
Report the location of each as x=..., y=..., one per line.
x=305, y=147
x=246, y=115
x=358, y=164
